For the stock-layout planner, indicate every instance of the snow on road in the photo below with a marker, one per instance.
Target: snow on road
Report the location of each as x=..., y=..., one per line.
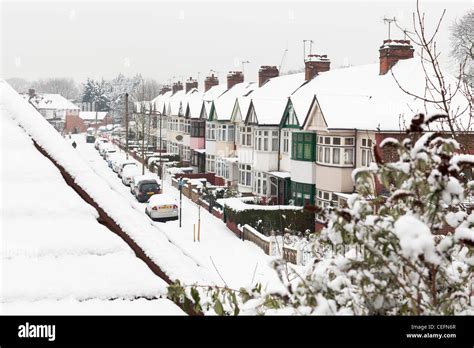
x=219, y=251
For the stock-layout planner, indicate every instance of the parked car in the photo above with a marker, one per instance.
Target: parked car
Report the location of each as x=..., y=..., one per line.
x=145, y=189
x=162, y=207
x=139, y=178
x=116, y=160
x=99, y=141
x=124, y=164
x=103, y=147
x=128, y=173
x=90, y=138
x=109, y=152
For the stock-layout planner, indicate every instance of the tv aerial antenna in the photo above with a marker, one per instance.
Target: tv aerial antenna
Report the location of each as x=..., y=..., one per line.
x=304, y=48
x=389, y=21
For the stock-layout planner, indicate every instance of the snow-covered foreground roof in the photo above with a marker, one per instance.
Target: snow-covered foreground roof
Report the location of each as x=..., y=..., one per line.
x=358, y=97
x=51, y=101
x=166, y=255
x=55, y=256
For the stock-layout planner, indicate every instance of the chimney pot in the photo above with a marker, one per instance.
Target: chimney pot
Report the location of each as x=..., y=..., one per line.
x=31, y=92
x=265, y=73
x=392, y=51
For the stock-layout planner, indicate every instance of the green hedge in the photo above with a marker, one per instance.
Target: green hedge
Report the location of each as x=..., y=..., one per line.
x=266, y=221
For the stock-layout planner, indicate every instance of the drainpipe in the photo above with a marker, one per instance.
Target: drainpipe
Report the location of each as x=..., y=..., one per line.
x=355, y=154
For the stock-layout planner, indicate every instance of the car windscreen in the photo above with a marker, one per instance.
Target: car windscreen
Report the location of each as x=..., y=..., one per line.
x=149, y=187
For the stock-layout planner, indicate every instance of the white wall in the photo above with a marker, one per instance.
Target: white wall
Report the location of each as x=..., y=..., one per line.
x=303, y=171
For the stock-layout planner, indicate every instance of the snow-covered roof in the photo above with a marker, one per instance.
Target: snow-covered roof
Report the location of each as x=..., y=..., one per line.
x=194, y=104
x=269, y=100
x=282, y=175
x=161, y=101
x=214, y=92
x=91, y=115
x=50, y=101
x=358, y=97
x=224, y=104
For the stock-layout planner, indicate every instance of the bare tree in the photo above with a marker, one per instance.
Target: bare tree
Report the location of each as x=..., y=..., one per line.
x=19, y=84
x=66, y=87
x=439, y=90
x=462, y=41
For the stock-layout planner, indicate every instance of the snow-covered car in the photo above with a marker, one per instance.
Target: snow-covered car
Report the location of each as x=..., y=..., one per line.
x=124, y=164
x=108, y=153
x=136, y=180
x=99, y=141
x=103, y=147
x=116, y=160
x=162, y=206
x=128, y=173
x=146, y=188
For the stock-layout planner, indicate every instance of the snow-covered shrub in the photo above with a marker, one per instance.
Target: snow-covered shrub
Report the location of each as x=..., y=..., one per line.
x=409, y=251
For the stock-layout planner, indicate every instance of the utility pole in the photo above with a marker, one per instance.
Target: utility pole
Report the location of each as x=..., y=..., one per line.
x=161, y=152
x=126, y=125
x=180, y=186
x=95, y=107
x=142, y=116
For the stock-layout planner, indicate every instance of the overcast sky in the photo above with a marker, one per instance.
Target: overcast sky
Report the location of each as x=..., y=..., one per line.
x=179, y=39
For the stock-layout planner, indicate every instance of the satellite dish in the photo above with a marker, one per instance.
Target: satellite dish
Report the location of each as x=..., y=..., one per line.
x=179, y=137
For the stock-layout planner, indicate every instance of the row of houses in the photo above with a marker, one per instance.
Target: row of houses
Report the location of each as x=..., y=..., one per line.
x=298, y=137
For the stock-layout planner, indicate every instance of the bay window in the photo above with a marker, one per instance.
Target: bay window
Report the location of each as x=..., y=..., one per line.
x=245, y=175
x=337, y=151
x=304, y=146
x=266, y=140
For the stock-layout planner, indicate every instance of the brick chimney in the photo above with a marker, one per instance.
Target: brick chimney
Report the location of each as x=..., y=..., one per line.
x=392, y=51
x=233, y=78
x=31, y=92
x=190, y=84
x=165, y=89
x=210, y=82
x=315, y=64
x=265, y=73
x=177, y=86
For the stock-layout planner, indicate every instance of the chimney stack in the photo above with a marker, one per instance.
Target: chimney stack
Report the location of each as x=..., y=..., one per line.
x=233, y=78
x=31, y=92
x=177, y=86
x=265, y=73
x=210, y=82
x=190, y=84
x=165, y=89
x=392, y=51
x=315, y=64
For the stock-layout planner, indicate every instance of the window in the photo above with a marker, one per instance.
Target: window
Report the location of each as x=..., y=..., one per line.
x=266, y=140
x=366, y=152
x=302, y=194
x=304, y=146
x=211, y=163
x=260, y=183
x=198, y=129
x=187, y=126
x=349, y=156
x=245, y=135
x=210, y=131
x=245, y=175
x=225, y=132
x=286, y=141
x=332, y=152
x=325, y=199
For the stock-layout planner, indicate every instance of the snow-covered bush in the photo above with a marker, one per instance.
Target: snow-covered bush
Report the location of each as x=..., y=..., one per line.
x=409, y=251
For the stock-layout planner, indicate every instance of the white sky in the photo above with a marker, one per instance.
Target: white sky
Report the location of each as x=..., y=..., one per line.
x=179, y=39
